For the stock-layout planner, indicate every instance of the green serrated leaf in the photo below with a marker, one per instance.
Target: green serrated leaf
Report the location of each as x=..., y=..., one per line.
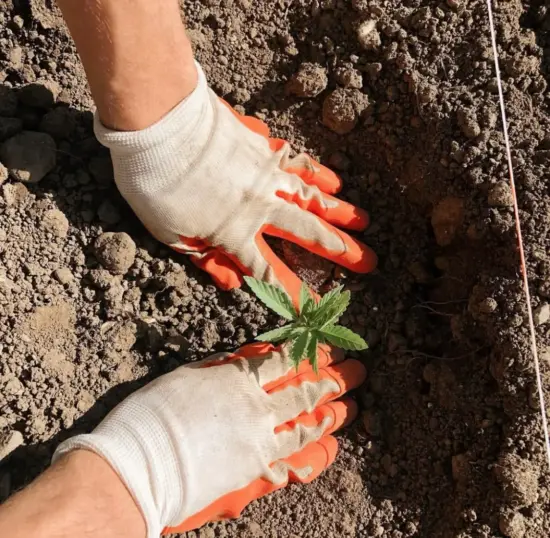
x=342, y=337
x=329, y=296
x=282, y=333
x=273, y=297
x=298, y=349
x=331, y=311
x=307, y=303
x=311, y=352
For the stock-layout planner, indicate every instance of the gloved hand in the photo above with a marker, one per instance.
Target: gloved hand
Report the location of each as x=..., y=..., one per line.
x=202, y=442
x=210, y=183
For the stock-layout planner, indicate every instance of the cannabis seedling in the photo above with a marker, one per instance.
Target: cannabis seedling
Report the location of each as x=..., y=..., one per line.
x=315, y=323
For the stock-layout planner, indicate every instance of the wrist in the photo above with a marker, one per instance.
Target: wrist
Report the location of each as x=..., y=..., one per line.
x=80, y=492
x=139, y=451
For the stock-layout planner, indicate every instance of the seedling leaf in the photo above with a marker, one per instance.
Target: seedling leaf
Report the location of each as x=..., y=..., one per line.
x=282, y=333
x=331, y=311
x=273, y=297
x=311, y=351
x=298, y=349
x=340, y=336
x=307, y=303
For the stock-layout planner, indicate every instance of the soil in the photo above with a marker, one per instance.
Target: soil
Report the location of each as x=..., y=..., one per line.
x=400, y=97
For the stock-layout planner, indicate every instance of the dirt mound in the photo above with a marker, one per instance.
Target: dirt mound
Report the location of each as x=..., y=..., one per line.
x=401, y=99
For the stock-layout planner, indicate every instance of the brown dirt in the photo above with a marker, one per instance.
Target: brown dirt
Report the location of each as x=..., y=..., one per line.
x=402, y=102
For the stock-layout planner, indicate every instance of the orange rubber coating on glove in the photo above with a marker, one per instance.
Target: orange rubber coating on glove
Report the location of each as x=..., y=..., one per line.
x=319, y=456
x=222, y=269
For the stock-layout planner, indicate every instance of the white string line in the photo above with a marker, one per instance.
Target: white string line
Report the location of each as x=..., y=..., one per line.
x=520, y=237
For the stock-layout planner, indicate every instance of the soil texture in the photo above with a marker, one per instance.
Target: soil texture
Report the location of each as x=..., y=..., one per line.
x=400, y=98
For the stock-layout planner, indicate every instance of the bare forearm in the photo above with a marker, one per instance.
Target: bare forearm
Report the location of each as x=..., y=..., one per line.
x=137, y=57
x=80, y=495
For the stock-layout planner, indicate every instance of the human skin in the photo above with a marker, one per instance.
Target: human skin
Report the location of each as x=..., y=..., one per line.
x=80, y=494
x=137, y=57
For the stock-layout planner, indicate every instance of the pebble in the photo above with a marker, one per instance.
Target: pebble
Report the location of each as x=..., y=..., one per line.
x=14, y=194
x=8, y=102
x=29, y=156
x=108, y=213
x=10, y=442
x=58, y=123
x=56, y=222
x=63, y=275
x=9, y=127
x=40, y=94
x=3, y=173
x=115, y=251
x=368, y=36
x=500, y=195
x=468, y=123
x=541, y=314
x=309, y=81
x=512, y=525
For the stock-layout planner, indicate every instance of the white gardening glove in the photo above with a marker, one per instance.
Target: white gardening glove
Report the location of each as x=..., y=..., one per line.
x=202, y=442
x=208, y=182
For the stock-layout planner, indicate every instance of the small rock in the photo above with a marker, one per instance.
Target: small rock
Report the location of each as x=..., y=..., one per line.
x=101, y=279
x=372, y=422
x=15, y=194
x=9, y=127
x=500, y=195
x=14, y=387
x=101, y=169
x=8, y=102
x=3, y=173
x=519, y=478
x=339, y=161
x=15, y=57
x=541, y=314
x=368, y=36
x=29, y=156
x=56, y=223
x=460, y=467
x=108, y=213
x=115, y=251
x=58, y=123
x=349, y=78
x=40, y=94
x=310, y=80
x=512, y=525
x=85, y=401
x=10, y=442
x=362, y=6
x=63, y=275
x=487, y=305
x=342, y=109
x=447, y=218
x=468, y=123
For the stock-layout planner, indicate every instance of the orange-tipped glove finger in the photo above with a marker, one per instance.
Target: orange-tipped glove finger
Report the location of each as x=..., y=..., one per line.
x=203, y=441
x=314, y=234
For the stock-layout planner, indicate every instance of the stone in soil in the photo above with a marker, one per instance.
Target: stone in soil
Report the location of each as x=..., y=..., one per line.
x=29, y=156
x=342, y=109
x=309, y=81
x=115, y=251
